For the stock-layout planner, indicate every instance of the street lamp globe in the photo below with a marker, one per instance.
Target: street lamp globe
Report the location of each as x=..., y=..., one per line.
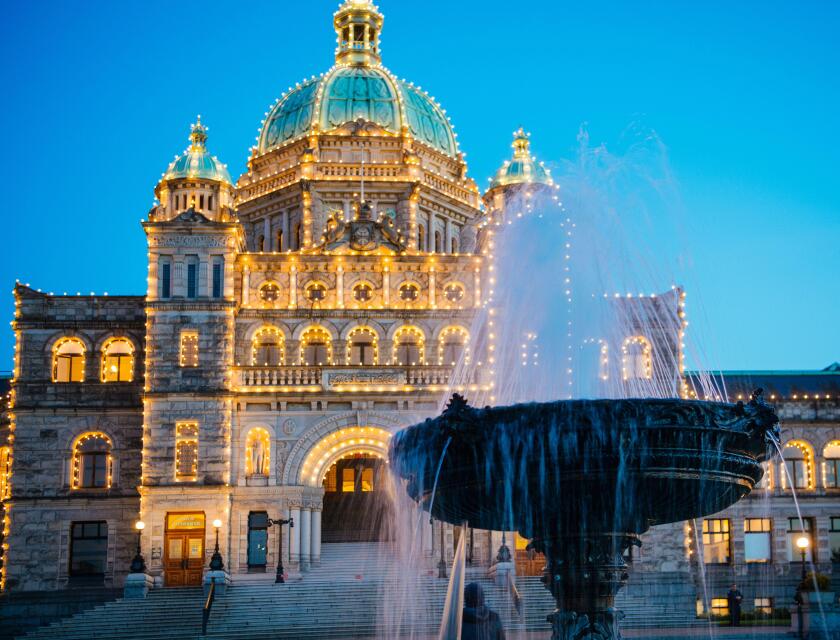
x=802, y=542
x=139, y=525
x=217, y=523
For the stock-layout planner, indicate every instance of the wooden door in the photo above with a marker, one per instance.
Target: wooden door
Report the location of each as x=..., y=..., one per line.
x=183, y=560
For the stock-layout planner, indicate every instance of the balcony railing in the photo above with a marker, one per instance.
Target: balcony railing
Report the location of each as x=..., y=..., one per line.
x=343, y=378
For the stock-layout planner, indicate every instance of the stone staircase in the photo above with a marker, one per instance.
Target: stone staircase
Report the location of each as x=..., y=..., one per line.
x=356, y=592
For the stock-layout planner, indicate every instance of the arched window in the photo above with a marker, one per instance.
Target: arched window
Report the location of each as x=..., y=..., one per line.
x=799, y=465
x=438, y=242
x=363, y=292
x=269, y=292
x=118, y=360
x=409, y=346
x=268, y=348
x=315, y=347
x=92, y=463
x=452, y=346
x=421, y=238
x=69, y=360
x=409, y=292
x=831, y=465
x=258, y=452
x=362, y=347
x=636, y=362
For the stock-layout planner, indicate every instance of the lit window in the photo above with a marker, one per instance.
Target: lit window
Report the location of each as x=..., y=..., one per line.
x=348, y=480
x=831, y=466
x=454, y=293
x=452, y=346
x=118, y=361
x=88, y=549
x=269, y=292
x=258, y=452
x=636, y=363
x=69, y=360
x=331, y=480
x=409, y=345
x=268, y=348
x=316, y=293
x=92, y=465
x=189, y=348
x=719, y=607
x=757, y=546
x=5, y=471
x=316, y=347
x=409, y=292
x=716, y=541
x=798, y=465
x=367, y=479
x=361, y=347
x=796, y=531
x=186, y=451
x=834, y=539
x=764, y=606
x=363, y=293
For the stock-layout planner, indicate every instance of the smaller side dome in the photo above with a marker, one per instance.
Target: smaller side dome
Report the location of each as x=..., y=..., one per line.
x=523, y=168
x=196, y=161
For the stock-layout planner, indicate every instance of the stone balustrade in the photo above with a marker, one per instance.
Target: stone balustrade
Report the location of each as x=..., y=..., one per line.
x=341, y=376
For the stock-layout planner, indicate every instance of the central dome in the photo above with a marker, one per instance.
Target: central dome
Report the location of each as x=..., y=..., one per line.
x=358, y=87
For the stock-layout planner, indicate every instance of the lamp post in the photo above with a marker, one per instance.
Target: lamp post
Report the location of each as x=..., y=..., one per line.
x=138, y=564
x=216, y=563
x=279, y=579
x=802, y=543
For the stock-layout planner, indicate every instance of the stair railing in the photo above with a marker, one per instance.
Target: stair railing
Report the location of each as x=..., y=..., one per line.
x=208, y=605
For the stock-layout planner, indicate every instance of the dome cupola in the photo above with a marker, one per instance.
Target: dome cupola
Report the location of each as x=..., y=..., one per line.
x=358, y=24
x=195, y=180
x=523, y=168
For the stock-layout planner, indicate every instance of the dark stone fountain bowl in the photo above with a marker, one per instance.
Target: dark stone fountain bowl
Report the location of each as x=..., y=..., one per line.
x=582, y=479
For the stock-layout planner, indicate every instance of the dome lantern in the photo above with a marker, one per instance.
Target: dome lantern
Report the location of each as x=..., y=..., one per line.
x=523, y=169
x=358, y=24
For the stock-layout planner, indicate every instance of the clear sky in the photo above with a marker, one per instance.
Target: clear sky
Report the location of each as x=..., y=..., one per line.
x=98, y=97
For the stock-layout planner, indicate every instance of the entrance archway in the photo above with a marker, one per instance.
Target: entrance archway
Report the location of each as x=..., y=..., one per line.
x=356, y=503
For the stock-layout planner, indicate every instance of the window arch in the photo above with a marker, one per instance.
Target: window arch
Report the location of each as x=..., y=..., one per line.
x=831, y=465
x=362, y=292
x=69, y=360
x=118, y=360
x=92, y=461
x=409, y=346
x=269, y=292
x=453, y=344
x=409, y=292
x=362, y=347
x=798, y=461
x=636, y=361
x=454, y=293
x=268, y=348
x=316, y=293
x=316, y=347
x=258, y=452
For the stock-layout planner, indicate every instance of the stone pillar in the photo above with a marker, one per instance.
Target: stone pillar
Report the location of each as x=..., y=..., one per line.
x=315, y=550
x=246, y=285
x=292, y=352
x=294, y=537
x=340, y=287
x=293, y=288
x=386, y=287
x=203, y=279
x=305, y=538
x=432, y=287
x=447, y=236
x=179, y=287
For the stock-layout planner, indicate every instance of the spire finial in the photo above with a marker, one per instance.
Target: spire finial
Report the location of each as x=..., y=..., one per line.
x=198, y=135
x=521, y=143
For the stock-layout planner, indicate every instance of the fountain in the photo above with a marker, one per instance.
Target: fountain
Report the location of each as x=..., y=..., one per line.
x=583, y=479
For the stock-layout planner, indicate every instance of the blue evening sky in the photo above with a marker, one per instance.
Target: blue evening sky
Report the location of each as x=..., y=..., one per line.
x=98, y=97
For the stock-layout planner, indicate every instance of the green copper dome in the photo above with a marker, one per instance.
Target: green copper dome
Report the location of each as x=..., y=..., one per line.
x=196, y=161
x=349, y=93
x=524, y=168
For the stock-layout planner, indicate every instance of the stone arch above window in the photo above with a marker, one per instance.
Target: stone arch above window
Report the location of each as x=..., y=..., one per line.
x=453, y=345
x=268, y=347
x=316, y=346
x=117, y=360
x=797, y=467
x=92, y=461
x=409, y=346
x=68, y=360
x=636, y=359
x=362, y=346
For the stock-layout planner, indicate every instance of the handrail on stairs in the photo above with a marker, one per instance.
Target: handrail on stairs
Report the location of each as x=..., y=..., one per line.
x=208, y=605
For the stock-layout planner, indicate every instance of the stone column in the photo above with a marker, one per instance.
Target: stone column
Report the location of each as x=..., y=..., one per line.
x=447, y=236
x=203, y=279
x=286, y=230
x=315, y=550
x=305, y=538
x=340, y=287
x=293, y=288
x=294, y=537
x=292, y=352
x=246, y=285
x=386, y=287
x=179, y=287
x=432, y=287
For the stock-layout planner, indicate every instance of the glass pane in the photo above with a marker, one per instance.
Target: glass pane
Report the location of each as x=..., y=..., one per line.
x=367, y=479
x=195, y=548
x=89, y=556
x=757, y=547
x=348, y=480
x=62, y=369
x=175, y=546
x=77, y=366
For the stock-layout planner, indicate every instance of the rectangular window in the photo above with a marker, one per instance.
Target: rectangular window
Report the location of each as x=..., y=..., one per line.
x=834, y=540
x=331, y=480
x=796, y=531
x=192, y=280
x=757, y=545
x=719, y=607
x=88, y=549
x=764, y=606
x=367, y=479
x=186, y=451
x=348, y=480
x=70, y=368
x=165, y=280
x=832, y=473
x=716, y=541
x=217, y=279
x=257, y=540
x=189, y=348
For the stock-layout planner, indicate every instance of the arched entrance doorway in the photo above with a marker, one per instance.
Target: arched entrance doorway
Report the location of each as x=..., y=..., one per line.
x=356, y=503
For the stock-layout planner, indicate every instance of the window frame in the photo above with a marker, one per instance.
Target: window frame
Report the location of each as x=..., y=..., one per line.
x=74, y=573
x=708, y=539
x=765, y=529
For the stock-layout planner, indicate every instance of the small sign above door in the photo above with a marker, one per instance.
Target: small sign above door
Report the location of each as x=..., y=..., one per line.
x=184, y=521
